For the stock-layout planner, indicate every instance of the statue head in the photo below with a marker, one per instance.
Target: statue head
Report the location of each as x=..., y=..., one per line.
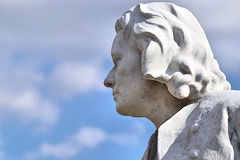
x=163, y=50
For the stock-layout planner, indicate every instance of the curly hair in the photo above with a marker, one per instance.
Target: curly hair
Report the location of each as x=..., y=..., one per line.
x=174, y=49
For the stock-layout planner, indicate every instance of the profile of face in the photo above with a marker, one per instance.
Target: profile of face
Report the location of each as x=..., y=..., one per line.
x=133, y=94
x=162, y=61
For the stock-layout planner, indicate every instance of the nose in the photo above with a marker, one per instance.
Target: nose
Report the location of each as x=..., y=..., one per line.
x=109, y=80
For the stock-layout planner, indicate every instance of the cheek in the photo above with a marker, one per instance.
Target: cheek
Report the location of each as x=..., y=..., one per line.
x=129, y=67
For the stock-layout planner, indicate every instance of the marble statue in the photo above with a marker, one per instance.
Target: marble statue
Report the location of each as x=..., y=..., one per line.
x=164, y=70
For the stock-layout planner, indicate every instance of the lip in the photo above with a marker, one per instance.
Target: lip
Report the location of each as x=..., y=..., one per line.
x=115, y=93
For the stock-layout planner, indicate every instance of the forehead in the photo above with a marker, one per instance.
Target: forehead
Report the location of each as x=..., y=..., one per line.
x=122, y=43
x=118, y=44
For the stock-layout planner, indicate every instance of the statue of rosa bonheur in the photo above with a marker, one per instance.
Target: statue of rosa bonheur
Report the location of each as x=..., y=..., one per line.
x=164, y=70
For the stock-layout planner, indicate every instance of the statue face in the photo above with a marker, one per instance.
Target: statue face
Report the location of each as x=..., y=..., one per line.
x=132, y=93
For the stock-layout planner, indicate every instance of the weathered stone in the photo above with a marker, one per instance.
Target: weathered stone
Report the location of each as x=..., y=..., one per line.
x=164, y=70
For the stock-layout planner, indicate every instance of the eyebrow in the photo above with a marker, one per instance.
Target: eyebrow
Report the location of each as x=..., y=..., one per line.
x=115, y=54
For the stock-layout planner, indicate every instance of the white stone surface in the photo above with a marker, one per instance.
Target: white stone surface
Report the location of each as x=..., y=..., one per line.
x=164, y=70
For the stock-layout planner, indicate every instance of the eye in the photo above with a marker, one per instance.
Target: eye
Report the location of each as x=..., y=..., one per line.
x=116, y=60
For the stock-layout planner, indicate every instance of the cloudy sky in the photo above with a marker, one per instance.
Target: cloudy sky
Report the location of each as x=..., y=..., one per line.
x=54, y=55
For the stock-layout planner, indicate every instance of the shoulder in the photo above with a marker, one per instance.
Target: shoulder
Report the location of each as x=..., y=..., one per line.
x=226, y=106
x=227, y=99
x=223, y=96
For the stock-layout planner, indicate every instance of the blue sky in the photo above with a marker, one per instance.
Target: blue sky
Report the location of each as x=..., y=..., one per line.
x=54, y=55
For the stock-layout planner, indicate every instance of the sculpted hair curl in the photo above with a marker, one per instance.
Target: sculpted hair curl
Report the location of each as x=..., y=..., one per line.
x=174, y=49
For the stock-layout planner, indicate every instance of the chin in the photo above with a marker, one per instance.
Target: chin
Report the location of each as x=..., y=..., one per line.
x=121, y=110
x=128, y=111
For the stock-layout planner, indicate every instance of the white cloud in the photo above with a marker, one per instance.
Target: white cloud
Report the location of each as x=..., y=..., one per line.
x=30, y=94
x=228, y=54
x=56, y=26
x=87, y=137
x=20, y=96
x=69, y=79
x=35, y=34
x=28, y=105
x=58, y=151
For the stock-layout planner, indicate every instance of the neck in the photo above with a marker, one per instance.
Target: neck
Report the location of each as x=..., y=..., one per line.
x=164, y=109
